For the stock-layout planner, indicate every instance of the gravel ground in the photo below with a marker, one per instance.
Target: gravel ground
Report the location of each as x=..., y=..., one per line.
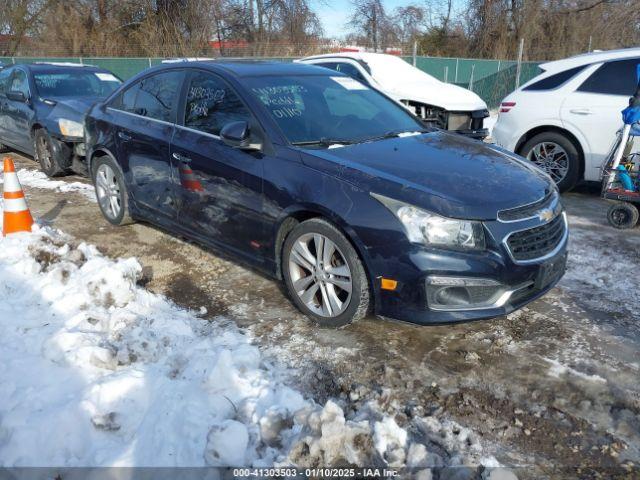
x=549, y=391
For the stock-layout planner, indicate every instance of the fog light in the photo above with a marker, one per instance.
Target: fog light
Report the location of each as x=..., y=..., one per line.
x=465, y=293
x=453, y=296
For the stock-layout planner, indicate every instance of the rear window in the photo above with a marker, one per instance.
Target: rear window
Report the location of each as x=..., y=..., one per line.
x=554, y=81
x=613, y=78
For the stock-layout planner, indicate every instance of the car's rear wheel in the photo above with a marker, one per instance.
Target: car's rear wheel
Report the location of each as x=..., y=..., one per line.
x=556, y=155
x=324, y=274
x=111, y=191
x=44, y=154
x=3, y=148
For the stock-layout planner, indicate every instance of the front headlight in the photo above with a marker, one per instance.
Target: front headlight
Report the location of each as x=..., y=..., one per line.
x=69, y=128
x=431, y=229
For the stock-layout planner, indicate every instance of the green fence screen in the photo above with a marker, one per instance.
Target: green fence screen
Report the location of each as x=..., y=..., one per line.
x=492, y=80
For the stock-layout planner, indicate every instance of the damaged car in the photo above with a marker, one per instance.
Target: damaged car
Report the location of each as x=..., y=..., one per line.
x=325, y=183
x=42, y=109
x=438, y=104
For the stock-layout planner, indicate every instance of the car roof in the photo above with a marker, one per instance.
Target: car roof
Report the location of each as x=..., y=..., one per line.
x=355, y=55
x=56, y=66
x=250, y=68
x=590, y=58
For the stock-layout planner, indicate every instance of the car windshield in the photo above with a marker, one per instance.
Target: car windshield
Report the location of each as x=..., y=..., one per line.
x=75, y=84
x=326, y=110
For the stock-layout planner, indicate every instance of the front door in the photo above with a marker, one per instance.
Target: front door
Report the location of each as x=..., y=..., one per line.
x=19, y=114
x=145, y=115
x=219, y=188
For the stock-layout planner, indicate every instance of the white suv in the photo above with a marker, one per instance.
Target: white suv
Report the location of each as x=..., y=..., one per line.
x=439, y=104
x=565, y=119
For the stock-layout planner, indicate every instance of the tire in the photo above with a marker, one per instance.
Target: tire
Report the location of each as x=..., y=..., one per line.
x=3, y=148
x=111, y=191
x=326, y=303
x=567, y=159
x=623, y=215
x=43, y=154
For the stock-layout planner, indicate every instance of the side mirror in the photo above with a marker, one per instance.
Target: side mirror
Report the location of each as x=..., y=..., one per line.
x=238, y=135
x=17, y=96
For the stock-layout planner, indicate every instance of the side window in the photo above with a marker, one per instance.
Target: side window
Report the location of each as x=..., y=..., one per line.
x=19, y=83
x=352, y=71
x=329, y=65
x=156, y=96
x=613, y=78
x=554, y=81
x=127, y=100
x=5, y=75
x=211, y=104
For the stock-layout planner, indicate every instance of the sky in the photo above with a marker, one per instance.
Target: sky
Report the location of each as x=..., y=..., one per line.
x=334, y=14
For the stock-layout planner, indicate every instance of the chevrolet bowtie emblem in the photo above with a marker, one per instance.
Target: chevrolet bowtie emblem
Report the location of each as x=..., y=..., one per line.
x=545, y=215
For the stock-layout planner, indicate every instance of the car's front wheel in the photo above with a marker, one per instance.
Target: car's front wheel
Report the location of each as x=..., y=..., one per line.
x=111, y=191
x=44, y=154
x=556, y=155
x=324, y=274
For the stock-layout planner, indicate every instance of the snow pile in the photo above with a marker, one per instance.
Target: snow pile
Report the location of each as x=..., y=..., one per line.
x=98, y=371
x=38, y=179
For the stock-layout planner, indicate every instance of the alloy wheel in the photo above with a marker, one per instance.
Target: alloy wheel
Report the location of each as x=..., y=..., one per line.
x=108, y=191
x=44, y=155
x=551, y=158
x=320, y=275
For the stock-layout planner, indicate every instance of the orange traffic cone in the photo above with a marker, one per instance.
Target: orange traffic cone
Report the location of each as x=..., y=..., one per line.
x=17, y=217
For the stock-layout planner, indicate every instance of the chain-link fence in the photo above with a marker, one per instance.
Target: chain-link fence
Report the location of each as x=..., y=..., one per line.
x=492, y=80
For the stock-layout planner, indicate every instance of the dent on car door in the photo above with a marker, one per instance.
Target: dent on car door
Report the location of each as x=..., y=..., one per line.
x=594, y=109
x=219, y=188
x=19, y=114
x=144, y=119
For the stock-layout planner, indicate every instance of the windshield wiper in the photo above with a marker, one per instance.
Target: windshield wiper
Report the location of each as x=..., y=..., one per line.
x=325, y=142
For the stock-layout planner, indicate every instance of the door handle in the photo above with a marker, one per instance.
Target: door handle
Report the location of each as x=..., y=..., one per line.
x=181, y=158
x=581, y=111
x=124, y=136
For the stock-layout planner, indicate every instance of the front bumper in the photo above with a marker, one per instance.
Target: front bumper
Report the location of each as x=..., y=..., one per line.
x=505, y=285
x=69, y=152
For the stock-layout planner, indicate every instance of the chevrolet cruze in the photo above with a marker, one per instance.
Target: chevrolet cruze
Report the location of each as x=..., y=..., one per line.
x=332, y=187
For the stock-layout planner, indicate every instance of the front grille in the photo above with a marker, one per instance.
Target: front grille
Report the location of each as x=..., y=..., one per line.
x=538, y=241
x=528, y=211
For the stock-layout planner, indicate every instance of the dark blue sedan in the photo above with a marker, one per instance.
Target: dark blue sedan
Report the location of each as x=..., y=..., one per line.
x=328, y=185
x=42, y=108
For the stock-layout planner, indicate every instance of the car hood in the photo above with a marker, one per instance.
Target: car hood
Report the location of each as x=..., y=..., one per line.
x=74, y=108
x=440, y=94
x=444, y=173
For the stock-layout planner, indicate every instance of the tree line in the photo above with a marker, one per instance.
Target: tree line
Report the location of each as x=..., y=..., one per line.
x=465, y=28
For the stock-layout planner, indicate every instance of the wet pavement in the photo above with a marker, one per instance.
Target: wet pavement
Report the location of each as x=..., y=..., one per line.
x=551, y=390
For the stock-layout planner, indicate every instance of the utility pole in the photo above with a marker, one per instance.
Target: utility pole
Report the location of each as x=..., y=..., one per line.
x=519, y=65
x=415, y=52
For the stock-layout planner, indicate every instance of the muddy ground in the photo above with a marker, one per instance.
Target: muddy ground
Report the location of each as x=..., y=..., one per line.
x=552, y=391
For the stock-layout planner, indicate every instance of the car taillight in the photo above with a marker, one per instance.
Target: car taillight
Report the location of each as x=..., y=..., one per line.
x=506, y=106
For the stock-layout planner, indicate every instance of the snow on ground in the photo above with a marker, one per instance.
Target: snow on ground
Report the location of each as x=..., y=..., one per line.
x=38, y=179
x=98, y=371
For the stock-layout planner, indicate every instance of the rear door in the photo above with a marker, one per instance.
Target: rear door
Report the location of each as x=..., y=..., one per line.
x=144, y=116
x=594, y=109
x=219, y=188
